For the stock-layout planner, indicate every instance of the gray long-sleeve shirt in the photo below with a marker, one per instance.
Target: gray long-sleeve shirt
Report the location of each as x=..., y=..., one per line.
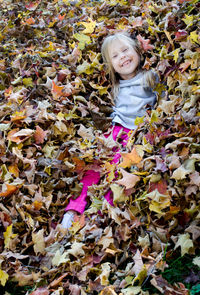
x=131, y=101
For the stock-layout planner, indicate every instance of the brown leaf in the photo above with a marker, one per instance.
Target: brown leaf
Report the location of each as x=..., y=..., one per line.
x=129, y=180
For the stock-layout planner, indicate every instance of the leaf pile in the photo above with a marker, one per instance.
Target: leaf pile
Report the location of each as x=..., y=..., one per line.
x=55, y=106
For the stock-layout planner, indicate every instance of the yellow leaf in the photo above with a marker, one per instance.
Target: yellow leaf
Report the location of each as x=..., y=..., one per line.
x=28, y=82
x=3, y=277
x=118, y=193
x=141, y=276
x=188, y=20
x=110, y=168
x=14, y=170
x=51, y=47
x=89, y=27
x=60, y=258
x=176, y=54
x=1, y=37
x=51, y=24
x=121, y=26
x=85, y=68
x=108, y=291
x=139, y=120
x=38, y=240
x=105, y=273
x=194, y=37
x=83, y=40
x=185, y=243
x=77, y=249
x=132, y=291
x=154, y=116
x=196, y=261
x=102, y=90
x=8, y=235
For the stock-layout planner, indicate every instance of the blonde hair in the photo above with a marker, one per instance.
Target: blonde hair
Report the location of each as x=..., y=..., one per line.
x=148, y=76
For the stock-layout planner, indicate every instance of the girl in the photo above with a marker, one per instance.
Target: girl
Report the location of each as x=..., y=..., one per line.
x=132, y=92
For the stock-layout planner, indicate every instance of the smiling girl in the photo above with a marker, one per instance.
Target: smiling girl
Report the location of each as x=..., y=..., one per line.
x=132, y=90
x=132, y=87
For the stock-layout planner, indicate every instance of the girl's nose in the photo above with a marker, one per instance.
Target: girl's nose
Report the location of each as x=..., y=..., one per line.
x=122, y=55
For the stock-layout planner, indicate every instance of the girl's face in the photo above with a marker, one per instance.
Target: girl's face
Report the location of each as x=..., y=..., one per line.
x=124, y=59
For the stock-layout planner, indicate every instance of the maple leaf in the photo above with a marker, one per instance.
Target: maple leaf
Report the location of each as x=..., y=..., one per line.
x=53, y=79
x=19, y=136
x=3, y=277
x=105, y=273
x=118, y=193
x=32, y=5
x=76, y=249
x=185, y=243
x=40, y=291
x=40, y=135
x=38, y=240
x=89, y=26
x=145, y=43
x=134, y=157
x=107, y=239
x=60, y=258
x=8, y=235
x=129, y=180
x=10, y=189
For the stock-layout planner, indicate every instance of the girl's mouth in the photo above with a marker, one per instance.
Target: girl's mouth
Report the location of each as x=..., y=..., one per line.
x=126, y=63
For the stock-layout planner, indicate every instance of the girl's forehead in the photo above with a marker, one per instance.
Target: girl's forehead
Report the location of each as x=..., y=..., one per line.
x=117, y=44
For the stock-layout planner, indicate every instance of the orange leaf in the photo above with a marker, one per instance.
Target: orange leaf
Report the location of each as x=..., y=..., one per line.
x=30, y=21
x=57, y=281
x=57, y=91
x=130, y=158
x=37, y=205
x=61, y=17
x=40, y=135
x=14, y=170
x=80, y=164
x=10, y=190
x=17, y=118
x=63, y=154
x=19, y=136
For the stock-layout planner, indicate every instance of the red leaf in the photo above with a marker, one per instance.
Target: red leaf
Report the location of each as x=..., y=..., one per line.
x=180, y=35
x=40, y=291
x=32, y=5
x=145, y=43
x=39, y=135
x=161, y=186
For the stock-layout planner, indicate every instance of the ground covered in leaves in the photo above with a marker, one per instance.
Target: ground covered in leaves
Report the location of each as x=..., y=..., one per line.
x=54, y=108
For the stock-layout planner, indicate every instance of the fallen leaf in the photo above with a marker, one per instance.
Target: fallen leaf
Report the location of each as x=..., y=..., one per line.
x=130, y=158
x=129, y=180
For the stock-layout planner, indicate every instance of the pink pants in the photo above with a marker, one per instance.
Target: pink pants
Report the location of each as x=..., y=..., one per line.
x=92, y=177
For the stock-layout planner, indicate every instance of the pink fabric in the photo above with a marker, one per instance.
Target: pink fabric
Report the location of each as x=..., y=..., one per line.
x=79, y=204
x=92, y=177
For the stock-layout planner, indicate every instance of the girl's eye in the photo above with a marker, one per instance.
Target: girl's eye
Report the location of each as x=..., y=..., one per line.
x=114, y=56
x=125, y=49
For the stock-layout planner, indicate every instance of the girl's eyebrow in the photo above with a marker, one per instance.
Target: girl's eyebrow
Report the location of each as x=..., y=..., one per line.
x=121, y=48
